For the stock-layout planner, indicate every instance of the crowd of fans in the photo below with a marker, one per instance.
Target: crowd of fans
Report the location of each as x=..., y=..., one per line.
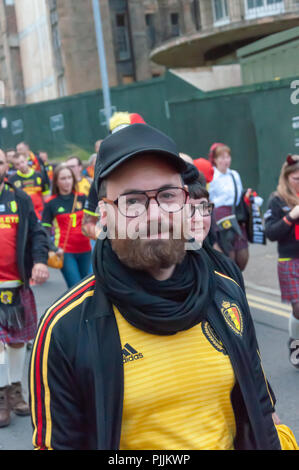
x=64, y=199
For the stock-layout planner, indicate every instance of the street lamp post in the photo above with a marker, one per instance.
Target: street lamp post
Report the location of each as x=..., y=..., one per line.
x=102, y=60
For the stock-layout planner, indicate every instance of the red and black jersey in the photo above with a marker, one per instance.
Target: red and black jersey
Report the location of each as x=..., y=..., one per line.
x=34, y=185
x=50, y=170
x=58, y=213
x=34, y=162
x=9, y=223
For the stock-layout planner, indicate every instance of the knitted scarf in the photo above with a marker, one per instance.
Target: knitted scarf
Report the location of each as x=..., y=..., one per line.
x=156, y=307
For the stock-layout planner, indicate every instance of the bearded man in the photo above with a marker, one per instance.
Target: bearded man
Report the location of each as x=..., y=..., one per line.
x=143, y=354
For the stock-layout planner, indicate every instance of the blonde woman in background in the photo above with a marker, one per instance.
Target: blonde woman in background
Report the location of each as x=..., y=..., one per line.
x=282, y=225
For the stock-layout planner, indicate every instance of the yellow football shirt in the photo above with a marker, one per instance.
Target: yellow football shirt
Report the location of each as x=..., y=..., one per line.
x=176, y=390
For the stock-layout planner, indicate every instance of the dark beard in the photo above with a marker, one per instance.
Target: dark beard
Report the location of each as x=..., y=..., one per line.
x=144, y=255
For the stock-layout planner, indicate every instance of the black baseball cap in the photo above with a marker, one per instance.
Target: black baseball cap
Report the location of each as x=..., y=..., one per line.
x=131, y=141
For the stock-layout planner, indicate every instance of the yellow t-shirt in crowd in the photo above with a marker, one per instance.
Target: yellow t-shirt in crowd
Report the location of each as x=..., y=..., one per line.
x=176, y=390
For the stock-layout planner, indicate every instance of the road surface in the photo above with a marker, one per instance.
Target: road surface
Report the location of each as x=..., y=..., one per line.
x=271, y=322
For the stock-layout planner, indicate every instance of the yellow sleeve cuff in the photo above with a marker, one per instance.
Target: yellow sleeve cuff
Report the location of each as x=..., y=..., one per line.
x=286, y=437
x=91, y=213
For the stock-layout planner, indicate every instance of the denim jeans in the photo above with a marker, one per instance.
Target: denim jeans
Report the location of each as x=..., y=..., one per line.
x=76, y=266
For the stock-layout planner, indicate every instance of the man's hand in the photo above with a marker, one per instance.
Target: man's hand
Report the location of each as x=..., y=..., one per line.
x=89, y=230
x=59, y=252
x=275, y=418
x=89, y=226
x=40, y=273
x=294, y=214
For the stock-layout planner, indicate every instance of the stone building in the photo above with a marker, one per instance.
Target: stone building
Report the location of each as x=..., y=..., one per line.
x=209, y=33
x=11, y=75
x=48, y=48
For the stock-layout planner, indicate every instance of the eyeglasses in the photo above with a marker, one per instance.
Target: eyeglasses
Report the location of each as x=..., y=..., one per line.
x=205, y=209
x=136, y=203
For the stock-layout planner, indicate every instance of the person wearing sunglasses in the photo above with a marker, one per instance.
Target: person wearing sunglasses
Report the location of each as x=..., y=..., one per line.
x=157, y=349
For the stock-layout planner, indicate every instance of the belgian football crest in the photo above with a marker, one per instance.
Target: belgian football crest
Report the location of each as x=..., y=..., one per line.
x=233, y=316
x=6, y=297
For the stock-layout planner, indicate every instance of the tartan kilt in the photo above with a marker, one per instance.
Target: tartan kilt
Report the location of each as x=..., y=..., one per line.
x=30, y=327
x=288, y=275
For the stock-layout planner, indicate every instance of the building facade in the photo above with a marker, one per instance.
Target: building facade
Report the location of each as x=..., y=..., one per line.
x=48, y=48
x=210, y=31
x=11, y=74
x=55, y=43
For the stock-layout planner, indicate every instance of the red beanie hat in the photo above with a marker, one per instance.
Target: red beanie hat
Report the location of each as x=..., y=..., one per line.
x=136, y=119
x=205, y=167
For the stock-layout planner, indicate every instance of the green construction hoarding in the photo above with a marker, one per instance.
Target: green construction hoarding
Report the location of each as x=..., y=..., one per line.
x=259, y=122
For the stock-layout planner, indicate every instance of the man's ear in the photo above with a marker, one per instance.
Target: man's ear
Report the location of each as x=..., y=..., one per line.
x=103, y=213
x=187, y=189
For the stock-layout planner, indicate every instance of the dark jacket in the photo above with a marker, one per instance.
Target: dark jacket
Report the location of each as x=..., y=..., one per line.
x=32, y=246
x=76, y=373
x=281, y=228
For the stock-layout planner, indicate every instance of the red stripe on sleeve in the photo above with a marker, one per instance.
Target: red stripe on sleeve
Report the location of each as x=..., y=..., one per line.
x=37, y=361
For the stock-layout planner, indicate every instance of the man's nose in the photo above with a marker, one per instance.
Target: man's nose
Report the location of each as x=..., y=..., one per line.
x=153, y=211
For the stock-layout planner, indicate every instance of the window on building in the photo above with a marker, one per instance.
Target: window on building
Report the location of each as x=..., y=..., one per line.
x=259, y=8
x=196, y=13
x=122, y=37
x=220, y=12
x=150, y=30
x=175, y=24
x=121, y=20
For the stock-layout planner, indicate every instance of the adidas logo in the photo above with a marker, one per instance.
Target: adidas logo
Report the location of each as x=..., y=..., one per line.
x=130, y=354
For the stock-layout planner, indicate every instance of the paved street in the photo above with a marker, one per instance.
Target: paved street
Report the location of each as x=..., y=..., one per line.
x=271, y=320
x=19, y=434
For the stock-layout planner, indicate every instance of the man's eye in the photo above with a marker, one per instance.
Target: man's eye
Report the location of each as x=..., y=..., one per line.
x=135, y=200
x=130, y=202
x=167, y=195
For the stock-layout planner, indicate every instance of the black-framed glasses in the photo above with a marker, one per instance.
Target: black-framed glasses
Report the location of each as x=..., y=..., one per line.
x=135, y=203
x=205, y=209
